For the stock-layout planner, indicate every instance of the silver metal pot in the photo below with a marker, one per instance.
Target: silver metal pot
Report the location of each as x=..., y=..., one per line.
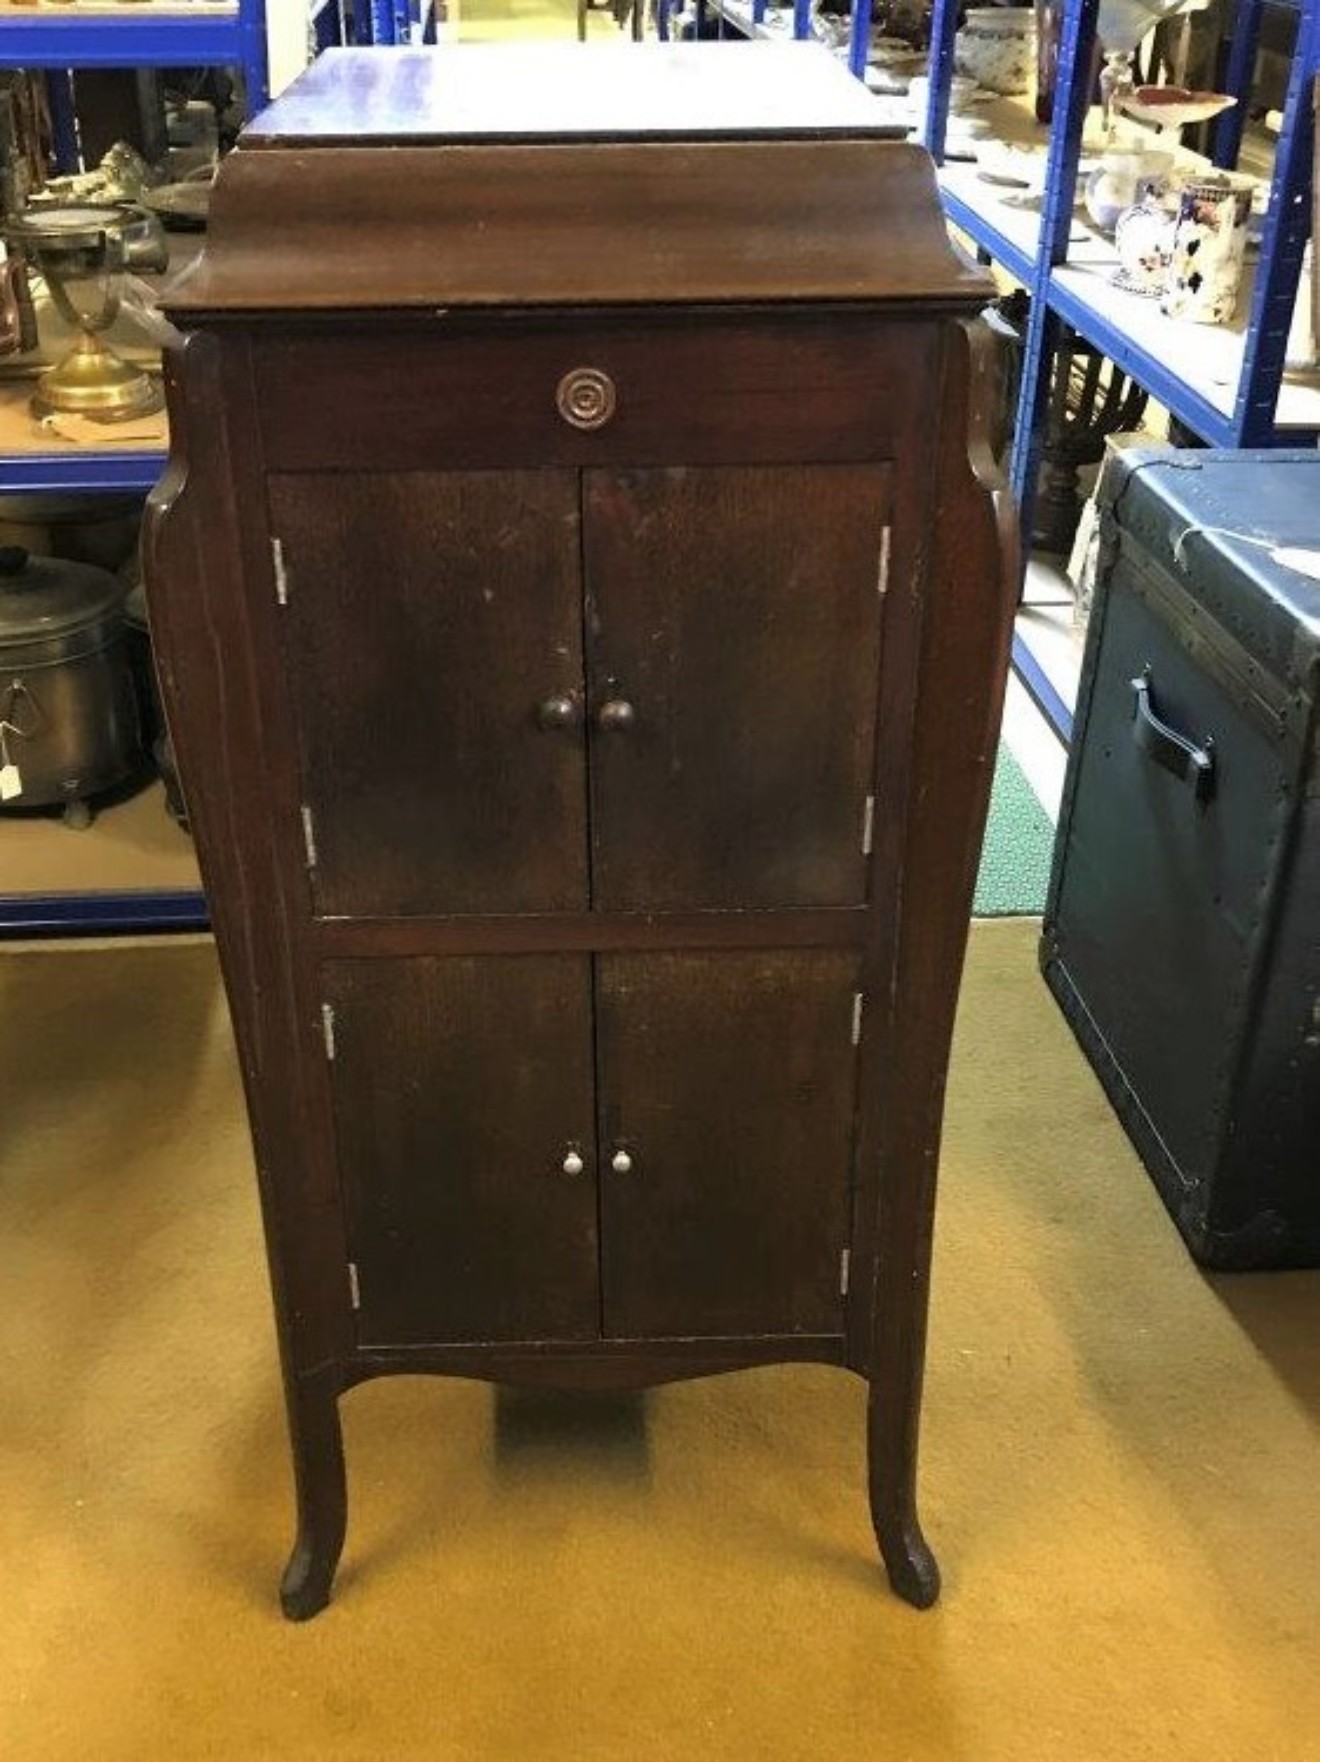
x=69, y=726
x=155, y=735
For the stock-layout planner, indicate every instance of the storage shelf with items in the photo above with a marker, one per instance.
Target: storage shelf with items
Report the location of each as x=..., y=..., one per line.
x=87, y=774
x=1225, y=382
x=134, y=870
x=67, y=476
x=1014, y=187
x=882, y=42
x=84, y=34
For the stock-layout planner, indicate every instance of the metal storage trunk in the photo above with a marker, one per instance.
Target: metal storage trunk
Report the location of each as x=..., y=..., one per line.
x=1182, y=929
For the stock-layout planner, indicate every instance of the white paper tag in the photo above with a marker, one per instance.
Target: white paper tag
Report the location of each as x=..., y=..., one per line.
x=1305, y=561
x=11, y=783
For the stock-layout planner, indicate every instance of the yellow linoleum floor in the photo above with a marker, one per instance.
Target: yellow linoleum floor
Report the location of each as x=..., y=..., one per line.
x=1121, y=1469
x=505, y=21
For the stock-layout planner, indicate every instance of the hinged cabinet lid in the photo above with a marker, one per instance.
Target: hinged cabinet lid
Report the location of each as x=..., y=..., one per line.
x=563, y=174
x=528, y=93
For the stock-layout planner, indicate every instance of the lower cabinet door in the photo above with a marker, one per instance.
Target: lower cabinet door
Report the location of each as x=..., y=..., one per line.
x=727, y=1087
x=464, y=1108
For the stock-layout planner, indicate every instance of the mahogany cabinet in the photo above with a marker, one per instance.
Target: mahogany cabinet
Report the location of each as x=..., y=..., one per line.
x=582, y=608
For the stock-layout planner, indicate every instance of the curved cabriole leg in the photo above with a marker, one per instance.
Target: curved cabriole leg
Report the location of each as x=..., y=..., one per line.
x=891, y=1459
x=966, y=634
x=322, y=1494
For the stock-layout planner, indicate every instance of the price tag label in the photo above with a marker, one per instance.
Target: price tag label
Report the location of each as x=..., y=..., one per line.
x=1299, y=557
x=11, y=782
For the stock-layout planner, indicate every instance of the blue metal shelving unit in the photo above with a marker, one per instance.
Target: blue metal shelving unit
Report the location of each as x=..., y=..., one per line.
x=181, y=39
x=46, y=915
x=82, y=473
x=57, y=43
x=372, y=24
x=1056, y=300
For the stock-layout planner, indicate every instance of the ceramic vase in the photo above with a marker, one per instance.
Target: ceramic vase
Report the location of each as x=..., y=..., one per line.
x=1209, y=244
x=1121, y=178
x=1143, y=237
x=996, y=47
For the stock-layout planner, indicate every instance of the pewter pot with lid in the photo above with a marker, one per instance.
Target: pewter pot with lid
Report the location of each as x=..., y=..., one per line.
x=68, y=713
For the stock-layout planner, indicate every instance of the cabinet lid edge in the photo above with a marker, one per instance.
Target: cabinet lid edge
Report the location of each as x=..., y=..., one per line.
x=342, y=228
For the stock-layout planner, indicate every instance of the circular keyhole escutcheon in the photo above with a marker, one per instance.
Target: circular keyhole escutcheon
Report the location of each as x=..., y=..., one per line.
x=585, y=397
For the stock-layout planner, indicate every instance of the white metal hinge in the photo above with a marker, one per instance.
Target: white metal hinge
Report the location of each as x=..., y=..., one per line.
x=868, y=825
x=882, y=583
x=281, y=573
x=309, y=835
x=328, y=1029
x=354, y=1292
x=845, y=1267
x=857, y=1019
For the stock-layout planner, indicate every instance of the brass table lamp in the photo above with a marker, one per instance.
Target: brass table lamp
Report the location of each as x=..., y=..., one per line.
x=80, y=251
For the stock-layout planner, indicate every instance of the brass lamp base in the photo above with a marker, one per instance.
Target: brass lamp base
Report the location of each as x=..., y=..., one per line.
x=94, y=381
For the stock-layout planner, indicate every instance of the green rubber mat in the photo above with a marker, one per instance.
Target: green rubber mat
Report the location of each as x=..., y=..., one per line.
x=1015, y=858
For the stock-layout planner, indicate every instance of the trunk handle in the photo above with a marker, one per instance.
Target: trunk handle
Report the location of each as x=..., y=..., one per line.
x=1174, y=752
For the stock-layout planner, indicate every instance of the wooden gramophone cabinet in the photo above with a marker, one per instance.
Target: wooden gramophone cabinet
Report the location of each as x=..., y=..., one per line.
x=582, y=612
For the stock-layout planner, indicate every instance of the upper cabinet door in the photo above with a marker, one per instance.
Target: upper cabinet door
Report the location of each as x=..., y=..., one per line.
x=733, y=619
x=435, y=662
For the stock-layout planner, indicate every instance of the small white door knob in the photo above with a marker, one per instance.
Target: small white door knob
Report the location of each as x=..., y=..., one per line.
x=621, y=1162
x=573, y=1163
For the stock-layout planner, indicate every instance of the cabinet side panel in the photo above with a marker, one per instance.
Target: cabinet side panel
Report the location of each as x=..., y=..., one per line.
x=964, y=600
x=430, y=615
x=727, y=1083
x=463, y=1109
x=212, y=611
x=737, y=611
